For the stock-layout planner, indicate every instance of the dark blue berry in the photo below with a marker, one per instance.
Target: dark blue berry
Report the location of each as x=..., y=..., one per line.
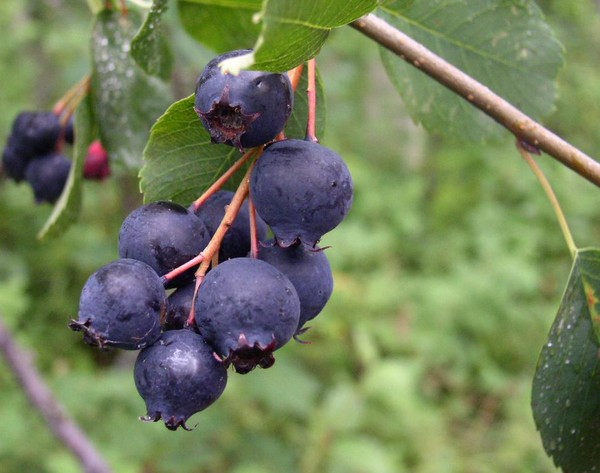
x=310, y=273
x=33, y=135
x=302, y=190
x=47, y=176
x=121, y=306
x=237, y=239
x=246, y=309
x=164, y=235
x=178, y=376
x=36, y=133
x=244, y=110
x=179, y=306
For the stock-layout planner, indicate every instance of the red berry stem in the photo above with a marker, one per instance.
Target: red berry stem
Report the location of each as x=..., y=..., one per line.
x=295, y=75
x=212, y=249
x=311, y=93
x=254, y=244
x=230, y=214
x=183, y=268
x=224, y=178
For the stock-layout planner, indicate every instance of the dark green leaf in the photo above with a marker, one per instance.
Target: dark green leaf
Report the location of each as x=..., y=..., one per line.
x=506, y=45
x=222, y=25
x=67, y=209
x=149, y=48
x=566, y=386
x=293, y=32
x=180, y=160
x=126, y=100
x=283, y=33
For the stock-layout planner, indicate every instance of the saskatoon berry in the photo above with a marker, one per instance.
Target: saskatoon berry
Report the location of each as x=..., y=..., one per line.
x=13, y=163
x=33, y=134
x=48, y=176
x=97, y=165
x=69, y=131
x=302, y=190
x=237, y=239
x=244, y=110
x=310, y=273
x=246, y=309
x=121, y=306
x=178, y=376
x=179, y=306
x=164, y=235
x=36, y=133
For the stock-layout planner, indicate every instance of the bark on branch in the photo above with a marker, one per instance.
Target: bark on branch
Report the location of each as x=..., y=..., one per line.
x=41, y=397
x=522, y=126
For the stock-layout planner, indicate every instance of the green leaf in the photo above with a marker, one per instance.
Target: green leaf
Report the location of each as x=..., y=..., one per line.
x=67, y=208
x=566, y=386
x=283, y=33
x=506, y=45
x=222, y=25
x=293, y=32
x=149, y=47
x=180, y=161
x=126, y=100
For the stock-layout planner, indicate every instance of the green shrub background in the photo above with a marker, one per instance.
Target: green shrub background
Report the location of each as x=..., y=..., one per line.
x=448, y=273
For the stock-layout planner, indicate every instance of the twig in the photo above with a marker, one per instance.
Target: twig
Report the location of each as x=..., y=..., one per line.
x=521, y=125
x=42, y=399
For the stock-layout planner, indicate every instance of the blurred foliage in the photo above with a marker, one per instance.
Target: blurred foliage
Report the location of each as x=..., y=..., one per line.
x=448, y=275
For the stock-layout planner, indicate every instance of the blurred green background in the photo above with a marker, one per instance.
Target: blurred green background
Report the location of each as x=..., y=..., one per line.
x=448, y=273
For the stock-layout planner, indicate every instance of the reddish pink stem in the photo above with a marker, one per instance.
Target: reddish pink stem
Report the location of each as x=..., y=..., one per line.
x=220, y=182
x=311, y=93
x=254, y=244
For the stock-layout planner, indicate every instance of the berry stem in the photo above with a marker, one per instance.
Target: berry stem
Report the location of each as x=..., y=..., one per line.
x=206, y=256
x=65, y=107
x=224, y=178
x=230, y=214
x=295, y=75
x=182, y=269
x=311, y=93
x=253, y=229
x=562, y=221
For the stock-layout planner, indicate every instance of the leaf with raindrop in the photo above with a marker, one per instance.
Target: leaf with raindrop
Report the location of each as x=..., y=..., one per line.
x=566, y=385
x=126, y=100
x=149, y=47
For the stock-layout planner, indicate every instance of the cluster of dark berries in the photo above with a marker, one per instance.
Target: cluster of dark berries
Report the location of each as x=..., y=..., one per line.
x=250, y=304
x=33, y=153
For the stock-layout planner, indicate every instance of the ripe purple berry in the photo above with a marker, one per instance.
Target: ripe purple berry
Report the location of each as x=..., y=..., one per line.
x=164, y=235
x=48, y=176
x=121, y=306
x=302, y=190
x=237, y=239
x=310, y=273
x=244, y=110
x=246, y=309
x=178, y=376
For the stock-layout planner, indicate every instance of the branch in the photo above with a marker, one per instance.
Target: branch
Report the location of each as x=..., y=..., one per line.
x=519, y=124
x=42, y=399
